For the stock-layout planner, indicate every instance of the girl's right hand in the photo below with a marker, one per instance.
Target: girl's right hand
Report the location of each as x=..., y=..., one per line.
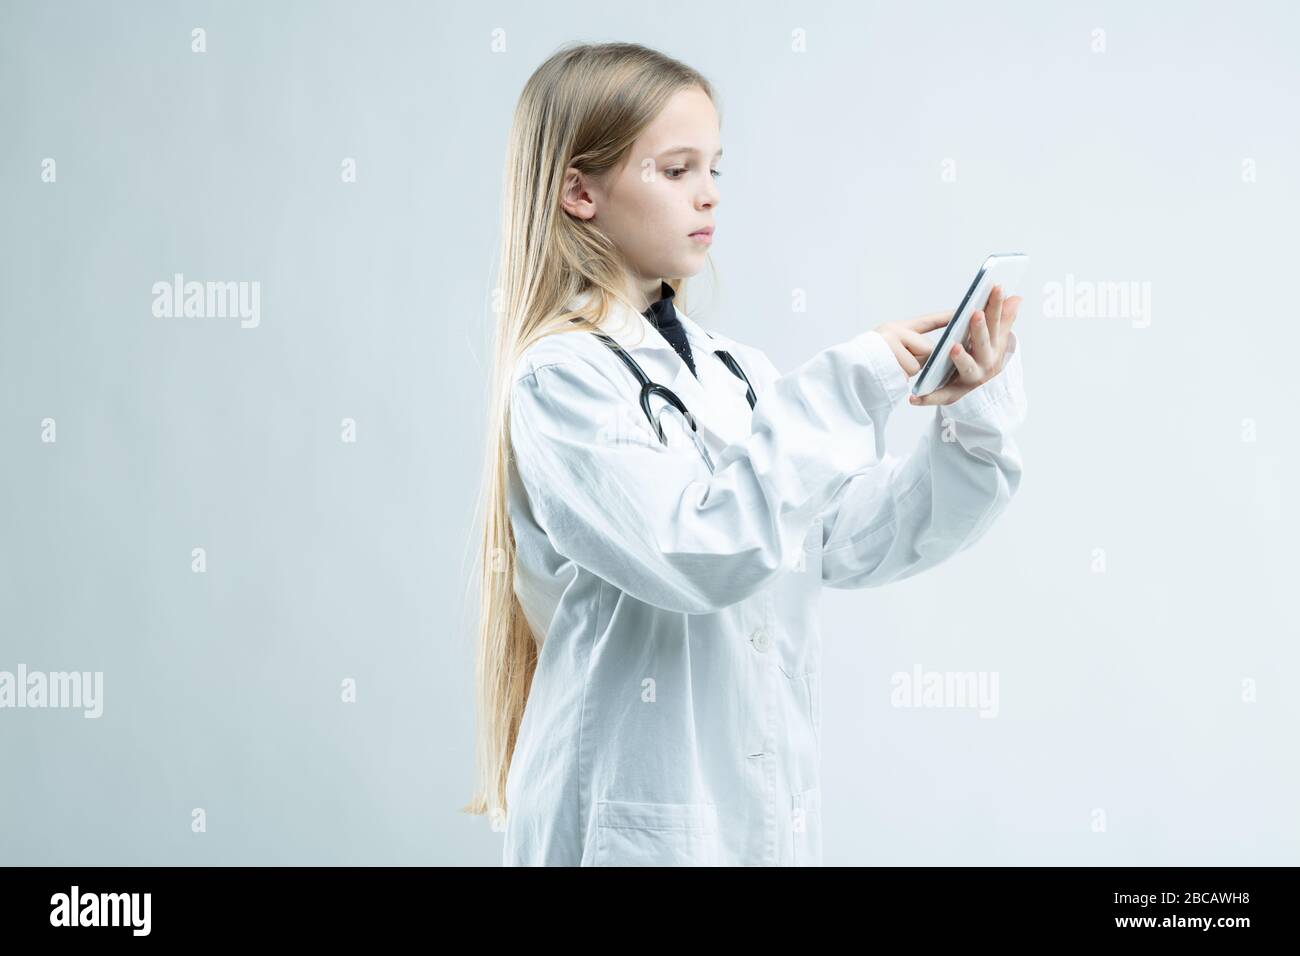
x=905, y=337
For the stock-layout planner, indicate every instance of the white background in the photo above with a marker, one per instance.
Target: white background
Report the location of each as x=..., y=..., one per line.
x=1163, y=451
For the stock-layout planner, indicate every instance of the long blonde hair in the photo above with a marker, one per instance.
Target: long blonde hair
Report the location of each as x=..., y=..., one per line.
x=582, y=108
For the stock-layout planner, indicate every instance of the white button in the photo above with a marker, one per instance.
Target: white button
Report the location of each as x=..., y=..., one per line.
x=761, y=641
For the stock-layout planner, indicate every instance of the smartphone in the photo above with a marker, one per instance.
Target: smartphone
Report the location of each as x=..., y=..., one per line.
x=1006, y=269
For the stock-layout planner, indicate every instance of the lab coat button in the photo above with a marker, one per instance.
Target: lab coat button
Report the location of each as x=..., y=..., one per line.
x=761, y=641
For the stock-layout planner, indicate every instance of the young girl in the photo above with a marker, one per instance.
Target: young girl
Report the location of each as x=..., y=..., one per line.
x=663, y=505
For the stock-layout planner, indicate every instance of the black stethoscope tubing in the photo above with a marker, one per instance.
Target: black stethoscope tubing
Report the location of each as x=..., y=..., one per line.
x=649, y=388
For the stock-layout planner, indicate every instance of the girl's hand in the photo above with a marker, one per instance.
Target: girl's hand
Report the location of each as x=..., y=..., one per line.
x=905, y=337
x=984, y=353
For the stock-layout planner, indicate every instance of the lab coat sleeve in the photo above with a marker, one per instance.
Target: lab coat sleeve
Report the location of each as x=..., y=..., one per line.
x=651, y=519
x=903, y=516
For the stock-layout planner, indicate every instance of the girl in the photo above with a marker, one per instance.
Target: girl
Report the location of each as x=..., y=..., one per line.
x=648, y=669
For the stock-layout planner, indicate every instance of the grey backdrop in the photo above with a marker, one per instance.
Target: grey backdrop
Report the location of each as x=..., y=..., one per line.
x=1135, y=602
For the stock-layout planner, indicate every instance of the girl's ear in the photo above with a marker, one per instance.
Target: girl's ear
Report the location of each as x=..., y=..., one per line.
x=576, y=198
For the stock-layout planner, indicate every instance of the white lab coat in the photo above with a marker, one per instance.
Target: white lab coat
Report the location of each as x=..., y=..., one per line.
x=675, y=713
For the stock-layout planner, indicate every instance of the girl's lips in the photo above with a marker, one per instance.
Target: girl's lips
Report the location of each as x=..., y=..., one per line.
x=704, y=235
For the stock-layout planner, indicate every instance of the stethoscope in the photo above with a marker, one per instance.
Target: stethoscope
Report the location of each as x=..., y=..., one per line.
x=649, y=388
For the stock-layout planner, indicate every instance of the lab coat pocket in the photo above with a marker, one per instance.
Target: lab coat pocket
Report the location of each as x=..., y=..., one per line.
x=806, y=825
x=656, y=834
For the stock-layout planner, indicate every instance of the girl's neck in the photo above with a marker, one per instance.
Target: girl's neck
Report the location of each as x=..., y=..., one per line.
x=643, y=292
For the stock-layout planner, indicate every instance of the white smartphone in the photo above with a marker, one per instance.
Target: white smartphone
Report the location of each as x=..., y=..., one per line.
x=1006, y=269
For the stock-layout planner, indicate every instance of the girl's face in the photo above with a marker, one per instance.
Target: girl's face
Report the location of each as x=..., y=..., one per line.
x=664, y=191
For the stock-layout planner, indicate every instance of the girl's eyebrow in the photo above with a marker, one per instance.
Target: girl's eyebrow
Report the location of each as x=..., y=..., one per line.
x=686, y=149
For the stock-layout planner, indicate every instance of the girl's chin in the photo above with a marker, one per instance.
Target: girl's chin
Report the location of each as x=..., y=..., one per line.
x=690, y=267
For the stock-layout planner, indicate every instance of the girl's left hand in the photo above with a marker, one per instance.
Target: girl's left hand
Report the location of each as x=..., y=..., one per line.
x=987, y=340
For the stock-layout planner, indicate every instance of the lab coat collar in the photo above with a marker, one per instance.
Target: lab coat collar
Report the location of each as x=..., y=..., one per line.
x=634, y=333
x=629, y=329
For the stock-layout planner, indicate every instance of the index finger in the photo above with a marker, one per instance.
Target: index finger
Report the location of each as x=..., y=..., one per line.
x=927, y=323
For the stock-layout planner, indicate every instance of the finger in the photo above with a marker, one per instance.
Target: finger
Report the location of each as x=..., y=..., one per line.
x=928, y=323
x=980, y=346
x=941, y=396
x=905, y=358
x=993, y=311
x=968, y=370
x=1009, y=313
x=916, y=343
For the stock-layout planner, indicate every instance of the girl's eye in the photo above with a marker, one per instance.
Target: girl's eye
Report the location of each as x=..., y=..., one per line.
x=682, y=169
